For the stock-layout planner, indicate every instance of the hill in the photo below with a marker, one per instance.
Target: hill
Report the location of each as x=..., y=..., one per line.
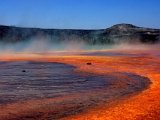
x=116, y=34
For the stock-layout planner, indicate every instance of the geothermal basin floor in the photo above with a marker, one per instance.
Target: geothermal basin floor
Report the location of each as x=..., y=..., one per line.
x=121, y=87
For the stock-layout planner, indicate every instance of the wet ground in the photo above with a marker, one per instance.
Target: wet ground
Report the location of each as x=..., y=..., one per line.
x=60, y=88
x=32, y=80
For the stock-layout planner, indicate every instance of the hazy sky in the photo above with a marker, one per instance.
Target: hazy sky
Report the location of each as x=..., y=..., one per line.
x=83, y=14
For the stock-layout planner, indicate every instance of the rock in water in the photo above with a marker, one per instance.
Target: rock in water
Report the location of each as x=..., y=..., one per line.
x=23, y=70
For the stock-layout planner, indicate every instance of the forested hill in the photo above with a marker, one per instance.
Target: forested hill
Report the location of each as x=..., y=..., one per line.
x=116, y=34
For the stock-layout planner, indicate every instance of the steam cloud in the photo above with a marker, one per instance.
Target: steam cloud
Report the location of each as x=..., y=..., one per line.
x=41, y=44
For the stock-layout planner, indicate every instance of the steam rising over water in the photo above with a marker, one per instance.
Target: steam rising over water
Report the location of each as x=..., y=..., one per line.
x=44, y=46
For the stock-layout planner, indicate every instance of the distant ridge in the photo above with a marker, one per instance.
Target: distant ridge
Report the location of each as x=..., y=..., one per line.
x=116, y=34
x=123, y=26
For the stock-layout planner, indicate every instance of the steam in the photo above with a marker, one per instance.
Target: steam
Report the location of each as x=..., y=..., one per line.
x=72, y=44
x=42, y=45
x=137, y=46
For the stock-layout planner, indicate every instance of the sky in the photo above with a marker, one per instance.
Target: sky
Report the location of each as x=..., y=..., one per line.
x=79, y=14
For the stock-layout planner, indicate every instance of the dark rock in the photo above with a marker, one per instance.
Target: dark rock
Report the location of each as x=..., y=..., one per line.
x=89, y=63
x=23, y=70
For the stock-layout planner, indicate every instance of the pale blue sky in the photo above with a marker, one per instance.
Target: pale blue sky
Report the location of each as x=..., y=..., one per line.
x=79, y=14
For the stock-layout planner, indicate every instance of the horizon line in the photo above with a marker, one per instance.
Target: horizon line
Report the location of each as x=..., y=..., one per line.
x=29, y=27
